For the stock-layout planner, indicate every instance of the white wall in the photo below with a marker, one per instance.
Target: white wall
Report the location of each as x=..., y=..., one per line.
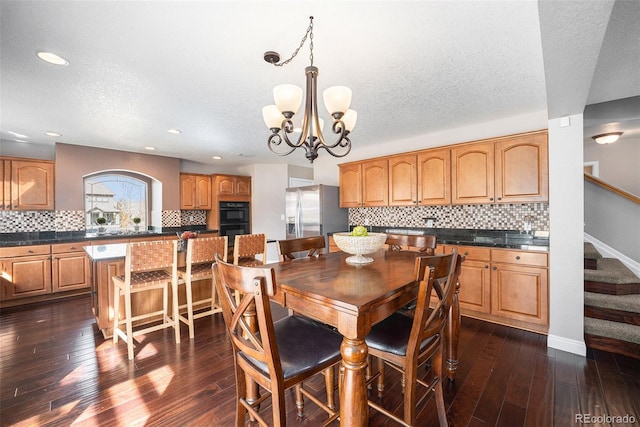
x=566, y=251
x=617, y=162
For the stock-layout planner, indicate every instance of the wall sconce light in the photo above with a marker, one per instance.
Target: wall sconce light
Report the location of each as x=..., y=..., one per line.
x=607, y=138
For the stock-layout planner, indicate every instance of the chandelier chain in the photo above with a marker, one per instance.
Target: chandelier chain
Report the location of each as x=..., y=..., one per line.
x=309, y=34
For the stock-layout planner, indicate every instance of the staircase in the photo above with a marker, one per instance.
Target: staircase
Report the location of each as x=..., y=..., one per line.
x=611, y=305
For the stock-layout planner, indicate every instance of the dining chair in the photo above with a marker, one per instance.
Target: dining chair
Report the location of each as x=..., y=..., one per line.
x=405, y=343
x=145, y=269
x=423, y=243
x=247, y=246
x=312, y=245
x=276, y=355
x=201, y=254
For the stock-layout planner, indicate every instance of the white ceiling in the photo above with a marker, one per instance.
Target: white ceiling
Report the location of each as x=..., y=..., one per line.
x=415, y=67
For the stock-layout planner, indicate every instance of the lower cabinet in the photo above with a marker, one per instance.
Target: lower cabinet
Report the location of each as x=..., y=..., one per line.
x=26, y=271
x=69, y=267
x=505, y=286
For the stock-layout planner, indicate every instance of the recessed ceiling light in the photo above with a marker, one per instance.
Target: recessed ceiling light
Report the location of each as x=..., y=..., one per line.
x=51, y=133
x=150, y=148
x=52, y=58
x=217, y=157
x=174, y=131
x=17, y=135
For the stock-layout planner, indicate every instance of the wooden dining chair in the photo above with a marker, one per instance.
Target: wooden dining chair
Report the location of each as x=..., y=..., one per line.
x=313, y=246
x=201, y=254
x=276, y=355
x=419, y=242
x=405, y=343
x=148, y=266
x=247, y=246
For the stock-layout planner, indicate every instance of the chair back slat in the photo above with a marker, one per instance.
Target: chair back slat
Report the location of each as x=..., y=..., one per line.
x=442, y=278
x=423, y=243
x=256, y=285
x=313, y=245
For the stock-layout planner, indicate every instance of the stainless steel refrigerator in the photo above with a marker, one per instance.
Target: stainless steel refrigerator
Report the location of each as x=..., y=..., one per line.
x=314, y=211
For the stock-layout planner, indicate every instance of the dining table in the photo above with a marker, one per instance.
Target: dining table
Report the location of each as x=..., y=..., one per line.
x=353, y=298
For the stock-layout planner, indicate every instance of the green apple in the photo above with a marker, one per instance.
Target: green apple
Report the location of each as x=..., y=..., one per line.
x=359, y=231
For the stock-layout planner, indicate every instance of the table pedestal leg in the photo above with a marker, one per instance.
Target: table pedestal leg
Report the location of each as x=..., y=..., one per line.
x=353, y=391
x=452, y=335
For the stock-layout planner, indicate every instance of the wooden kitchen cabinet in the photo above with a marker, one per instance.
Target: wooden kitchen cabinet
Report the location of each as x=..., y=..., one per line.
x=195, y=191
x=519, y=286
x=26, y=271
x=511, y=169
x=232, y=188
x=364, y=184
x=27, y=184
x=422, y=178
x=475, y=276
x=70, y=268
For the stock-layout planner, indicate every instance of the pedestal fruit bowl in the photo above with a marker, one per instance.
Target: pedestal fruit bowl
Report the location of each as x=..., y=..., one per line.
x=359, y=245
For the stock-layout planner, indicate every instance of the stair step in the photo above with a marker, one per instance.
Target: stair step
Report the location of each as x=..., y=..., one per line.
x=614, y=337
x=611, y=277
x=591, y=256
x=615, y=308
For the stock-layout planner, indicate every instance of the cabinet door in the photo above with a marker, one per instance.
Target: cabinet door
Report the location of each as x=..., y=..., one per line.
x=32, y=185
x=474, y=286
x=243, y=186
x=520, y=293
x=203, y=192
x=70, y=271
x=472, y=173
x=522, y=169
x=434, y=177
x=375, y=183
x=187, y=192
x=5, y=188
x=225, y=186
x=402, y=181
x=25, y=276
x=351, y=185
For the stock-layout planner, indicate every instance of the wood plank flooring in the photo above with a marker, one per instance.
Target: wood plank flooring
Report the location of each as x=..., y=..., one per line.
x=56, y=369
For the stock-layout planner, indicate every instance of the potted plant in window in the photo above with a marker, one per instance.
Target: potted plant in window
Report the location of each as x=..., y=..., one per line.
x=136, y=221
x=101, y=221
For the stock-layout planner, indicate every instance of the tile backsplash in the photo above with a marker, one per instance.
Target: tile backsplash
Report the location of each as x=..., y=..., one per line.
x=32, y=221
x=482, y=217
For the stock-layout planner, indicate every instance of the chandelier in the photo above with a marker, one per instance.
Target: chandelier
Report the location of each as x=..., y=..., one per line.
x=288, y=98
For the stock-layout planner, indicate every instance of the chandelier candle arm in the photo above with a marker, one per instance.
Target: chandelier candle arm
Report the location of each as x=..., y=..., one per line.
x=288, y=98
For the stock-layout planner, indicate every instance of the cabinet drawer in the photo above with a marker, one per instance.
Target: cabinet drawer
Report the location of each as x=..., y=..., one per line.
x=16, y=251
x=471, y=252
x=538, y=259
x=60, y=248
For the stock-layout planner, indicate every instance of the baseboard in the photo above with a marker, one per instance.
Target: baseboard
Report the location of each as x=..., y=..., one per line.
x=608, y=252
x=565, y=344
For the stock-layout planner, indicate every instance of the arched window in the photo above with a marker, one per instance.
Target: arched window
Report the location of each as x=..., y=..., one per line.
x=117, y=196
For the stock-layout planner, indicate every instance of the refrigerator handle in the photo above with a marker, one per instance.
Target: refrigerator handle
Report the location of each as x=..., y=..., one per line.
x=299, y=215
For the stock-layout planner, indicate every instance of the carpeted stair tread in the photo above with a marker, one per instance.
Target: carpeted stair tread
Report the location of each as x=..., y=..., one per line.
x=615, y=330
x=611, y=270
x=590, y=251
x=628, y=303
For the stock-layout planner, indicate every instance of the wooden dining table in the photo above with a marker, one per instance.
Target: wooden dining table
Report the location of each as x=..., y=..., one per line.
x=353, y=298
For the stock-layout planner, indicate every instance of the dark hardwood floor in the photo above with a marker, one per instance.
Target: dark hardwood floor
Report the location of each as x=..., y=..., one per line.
x=57, y=370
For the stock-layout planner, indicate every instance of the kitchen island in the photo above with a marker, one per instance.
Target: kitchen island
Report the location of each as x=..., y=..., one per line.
x=107, y=261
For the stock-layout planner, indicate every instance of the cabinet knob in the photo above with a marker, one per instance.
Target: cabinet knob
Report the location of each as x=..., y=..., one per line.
x=518, y=257
x=499, y=198
x=495, y=268
x=486, y=266
x=72, y=247
x=491, y=199
x=29, y=251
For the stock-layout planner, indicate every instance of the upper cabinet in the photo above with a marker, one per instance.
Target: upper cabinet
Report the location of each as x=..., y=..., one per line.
x=512, y=169
x=364, y=184
x=420, y=179
x=27, y=184
x=234, y=188
x=195, y=191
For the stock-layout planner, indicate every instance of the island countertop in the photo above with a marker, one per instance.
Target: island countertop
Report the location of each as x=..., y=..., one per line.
x=106, y=252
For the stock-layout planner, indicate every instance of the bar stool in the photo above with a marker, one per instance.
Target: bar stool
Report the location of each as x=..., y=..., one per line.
x=145, y=269
x=201, y=254
x=247, y=246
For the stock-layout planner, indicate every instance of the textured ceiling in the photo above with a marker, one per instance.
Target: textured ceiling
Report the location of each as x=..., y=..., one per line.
x=139, y=68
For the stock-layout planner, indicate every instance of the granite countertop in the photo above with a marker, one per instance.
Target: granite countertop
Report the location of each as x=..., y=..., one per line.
x=509, y=239
x=51, y=237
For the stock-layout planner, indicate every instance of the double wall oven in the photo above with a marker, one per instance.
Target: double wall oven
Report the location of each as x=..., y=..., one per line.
x=234, y=219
